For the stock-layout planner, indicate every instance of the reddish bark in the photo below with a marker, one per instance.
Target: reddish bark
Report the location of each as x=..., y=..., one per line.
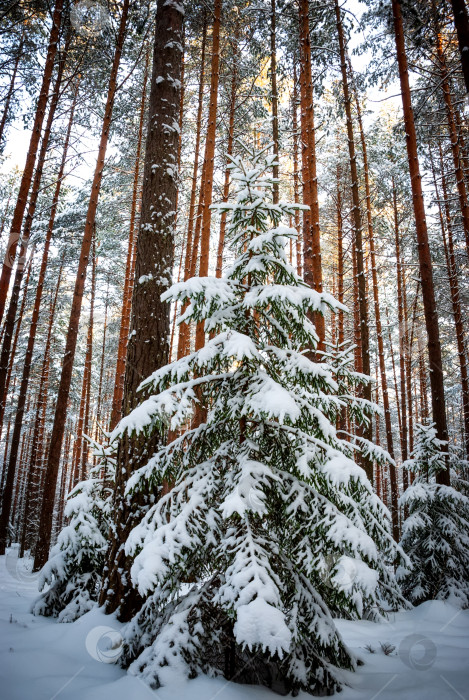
x=183, y=339
x=26, y=179
x=425, y=261
x=311, y=232
x=116, y=410
x=209, y=160
x=55, y=447
x=366, y=430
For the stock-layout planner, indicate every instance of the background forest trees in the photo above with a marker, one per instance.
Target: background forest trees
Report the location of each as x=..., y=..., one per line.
x=86, y=180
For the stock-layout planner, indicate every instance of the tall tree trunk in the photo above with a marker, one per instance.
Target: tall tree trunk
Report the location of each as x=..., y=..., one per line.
x=296, y=177
x=209, y=160
x=401, y=301
x=454, y=139
x=455, y=299
x=425, y=261
x=229, y=151
x=99, y=401
x=148, y=346
x=32, y=489
x=88, y=368
x=129, y=270
x=6, y=104
x=379, y=333
x=461, y=22
x=15, y=344
x=14, y=299
x=367, y=430
x=18, y=214
x=55, y=447
x=274, y=96
x=6, y=499
x=183, y=338
x=311, y=232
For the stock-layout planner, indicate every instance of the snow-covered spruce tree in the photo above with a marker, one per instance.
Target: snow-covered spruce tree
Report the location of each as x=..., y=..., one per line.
x=235, y=561
x=75, y=566
x=435, y=534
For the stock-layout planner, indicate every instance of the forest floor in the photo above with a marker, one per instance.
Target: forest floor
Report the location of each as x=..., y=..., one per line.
x=427, y=655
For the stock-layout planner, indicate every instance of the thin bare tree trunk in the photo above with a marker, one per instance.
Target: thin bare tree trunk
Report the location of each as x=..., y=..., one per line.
x=14, y=299
x=366, y=430
x=209, y=160
x=454, y=139
x=34, y=321
x=229, y=152
x=26, y=179
x=379, y=335
x=183, y=338
x=274, y=96
x=425, y=261
x=311, y=232
x=461, y=22
x=32, y=489
x=455, y=299
x=6, y=104
x=116, y=409
x=55, y=446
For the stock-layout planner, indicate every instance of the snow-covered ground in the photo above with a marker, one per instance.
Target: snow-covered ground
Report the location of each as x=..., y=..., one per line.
x=43, y=660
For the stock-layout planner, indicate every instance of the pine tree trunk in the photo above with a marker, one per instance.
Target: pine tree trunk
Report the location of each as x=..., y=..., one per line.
x=116, y=410
x=26, y=179
x=296, y=177
x=425, y=261
x=14, y=346
x=183, y=338
x=209, y=160
x=6, y=104
x=461, y=22
x=454, y=139
x=55, y=446
x=358, y=239
x=32, y=490
x=379, y=334
x=14, y=299
x=88, y=367
x=34, y=320
x=455, y=301
x=311, y=233
x=229, y=152
x=274, y=96
x=99, y=401
x=148, y=346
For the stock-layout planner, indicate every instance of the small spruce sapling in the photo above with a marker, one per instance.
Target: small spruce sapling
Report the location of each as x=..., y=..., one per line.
x=435, y=534
x=240, y=560
x=76, y=562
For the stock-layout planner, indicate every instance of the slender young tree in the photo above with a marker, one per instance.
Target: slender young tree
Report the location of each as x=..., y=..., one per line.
x=26, y=179
x=425, y=260
x=56, y=440
x=19, y=415
x=129, y=268
x=357, y=228
x=209, y=158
